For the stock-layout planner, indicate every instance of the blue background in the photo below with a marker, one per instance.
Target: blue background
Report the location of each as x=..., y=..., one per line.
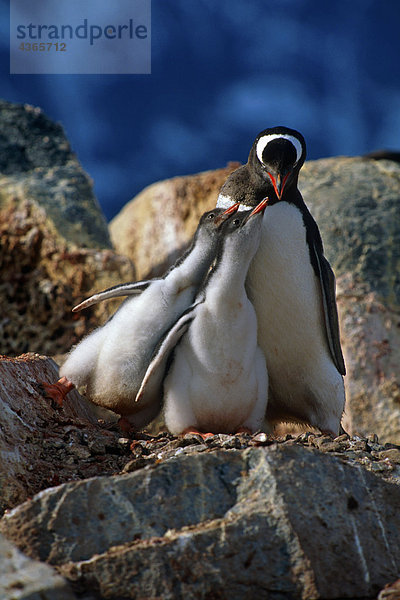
x=221, y=72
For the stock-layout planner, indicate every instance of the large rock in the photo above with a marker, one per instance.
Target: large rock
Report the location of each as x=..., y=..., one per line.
x=22, y=578
x=276, y=521
x=40, y=445
x=37, y=164
x=50, y=229
x=157, y=225
x=356, y=204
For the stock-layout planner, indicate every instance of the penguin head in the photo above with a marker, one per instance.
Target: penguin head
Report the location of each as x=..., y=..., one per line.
x=211, y=222
x=243, y=230
x=277, y=155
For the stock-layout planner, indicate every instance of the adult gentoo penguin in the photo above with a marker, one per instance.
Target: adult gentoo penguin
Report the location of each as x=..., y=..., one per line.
x=291, y=285
x=112, y=360
x=217, y=381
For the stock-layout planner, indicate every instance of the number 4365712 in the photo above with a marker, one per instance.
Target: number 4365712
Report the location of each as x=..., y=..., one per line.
x=43, y=46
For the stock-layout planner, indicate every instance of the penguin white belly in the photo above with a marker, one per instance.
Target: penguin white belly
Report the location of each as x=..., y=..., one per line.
x=131, y=337
x=79, y=365
x=304, y=383
x=112, y=360
x=218, y=381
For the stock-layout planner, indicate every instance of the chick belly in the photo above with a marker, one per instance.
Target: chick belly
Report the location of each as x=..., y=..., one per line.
x=225, y=402
x=304, y=383
x=215, y=407
x=122, y=363
x=212, y=385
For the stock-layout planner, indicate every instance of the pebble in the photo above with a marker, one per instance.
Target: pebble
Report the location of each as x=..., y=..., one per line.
x=392, y=454
x=97, y=446
x=91, y=448
x=135, y=465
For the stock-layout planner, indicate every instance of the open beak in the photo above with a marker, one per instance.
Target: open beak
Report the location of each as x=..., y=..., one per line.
x=227, y=214
x=279, y=183
x=258, y=209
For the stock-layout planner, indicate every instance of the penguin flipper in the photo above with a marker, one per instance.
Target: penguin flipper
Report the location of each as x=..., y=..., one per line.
x=116, y=291
x=151, y=387
x=328, y=285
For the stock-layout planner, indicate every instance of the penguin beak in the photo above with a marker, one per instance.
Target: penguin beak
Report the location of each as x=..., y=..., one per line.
x=279, y=183
x=258, y=209
x=227, y=214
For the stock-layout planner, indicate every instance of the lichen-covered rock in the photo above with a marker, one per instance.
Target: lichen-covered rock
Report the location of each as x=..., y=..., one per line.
x=22, y=578
x=42, y=278
x=156, y=226
x=54, y=243
x=37, y=164
x=281, y=520
x=356, y=204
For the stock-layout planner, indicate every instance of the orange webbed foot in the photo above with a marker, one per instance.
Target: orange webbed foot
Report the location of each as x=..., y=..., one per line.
x=196, y=432
x=56, y=391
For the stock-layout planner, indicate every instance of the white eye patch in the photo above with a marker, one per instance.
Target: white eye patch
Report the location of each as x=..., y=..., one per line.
x=266, y=139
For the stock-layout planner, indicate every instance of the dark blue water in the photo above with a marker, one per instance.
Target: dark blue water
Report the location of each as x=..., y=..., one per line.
x=221, y=72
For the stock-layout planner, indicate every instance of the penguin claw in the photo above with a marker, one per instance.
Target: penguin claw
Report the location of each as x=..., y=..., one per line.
x=56, y=391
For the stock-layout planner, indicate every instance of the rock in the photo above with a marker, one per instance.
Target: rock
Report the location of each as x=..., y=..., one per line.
x=355, y=202
x=390, y=591
x=40, y=445
x=48, y=213
x=22, y=578
x=37, y=164
x=280, y=521
x=158, y=224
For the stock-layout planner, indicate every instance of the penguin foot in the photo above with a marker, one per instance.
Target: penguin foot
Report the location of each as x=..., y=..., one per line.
x=56, y=391
x=196, y=432
x=125, y=425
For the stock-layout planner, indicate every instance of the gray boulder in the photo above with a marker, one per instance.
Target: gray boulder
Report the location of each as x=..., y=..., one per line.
x=356, y=204
x=37, y=164
x=282, y=521
x=55, y=247
x=22, y=578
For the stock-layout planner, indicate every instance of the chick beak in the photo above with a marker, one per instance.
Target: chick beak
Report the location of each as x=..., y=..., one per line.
x=259, y=208
x=227, y=214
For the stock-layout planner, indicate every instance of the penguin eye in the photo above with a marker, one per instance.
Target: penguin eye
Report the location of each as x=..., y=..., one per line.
x=211, y=216
x=236, y=222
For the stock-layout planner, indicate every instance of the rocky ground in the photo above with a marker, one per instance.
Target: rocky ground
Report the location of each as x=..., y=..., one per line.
x=90, y=513
x=231, y=516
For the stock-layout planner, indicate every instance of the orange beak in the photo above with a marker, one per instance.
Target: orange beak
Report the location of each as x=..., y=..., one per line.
x=278, y=183
x=259, y=208
x=227, y=213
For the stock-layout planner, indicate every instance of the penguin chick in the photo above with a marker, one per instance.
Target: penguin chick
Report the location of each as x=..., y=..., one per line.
x=292, y=286
x=218, y=381
x=112, y=360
